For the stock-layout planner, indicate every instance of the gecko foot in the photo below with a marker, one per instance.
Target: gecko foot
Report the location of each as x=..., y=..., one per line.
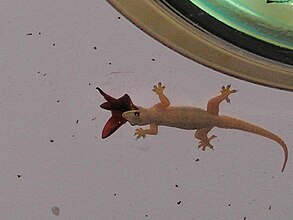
x=206, y=143
x=139, y=132
x=158, y=89
x=226, y=91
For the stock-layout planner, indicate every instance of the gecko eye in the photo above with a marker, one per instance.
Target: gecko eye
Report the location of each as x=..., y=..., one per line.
x=137, y=114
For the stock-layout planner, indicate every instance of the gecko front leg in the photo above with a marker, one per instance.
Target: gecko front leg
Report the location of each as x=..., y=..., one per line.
x=140, y=132
x=153, y=130
x=159, y=89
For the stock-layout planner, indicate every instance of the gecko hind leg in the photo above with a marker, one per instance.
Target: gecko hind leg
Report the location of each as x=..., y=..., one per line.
x=214, y=103
x=213, y=108
x=204, y=140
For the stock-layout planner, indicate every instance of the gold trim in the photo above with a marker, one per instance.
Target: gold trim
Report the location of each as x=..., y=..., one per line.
x=174, y=32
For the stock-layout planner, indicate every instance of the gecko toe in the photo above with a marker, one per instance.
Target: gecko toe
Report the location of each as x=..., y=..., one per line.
x=226, y=91
x=205, y=142
x=158, y=89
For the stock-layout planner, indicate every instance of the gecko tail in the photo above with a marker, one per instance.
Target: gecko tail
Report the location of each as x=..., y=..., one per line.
x=233, y=123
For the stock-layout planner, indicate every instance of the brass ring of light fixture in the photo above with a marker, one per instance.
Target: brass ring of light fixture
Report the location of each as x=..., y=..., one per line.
x=175, y=32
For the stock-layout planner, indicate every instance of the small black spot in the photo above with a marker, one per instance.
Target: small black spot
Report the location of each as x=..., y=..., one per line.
x=229, y=205
x=39, y=72
x=270, y=207
x=110, y=63
x=176, y=186
x=54, y=44
x=119, y=17
x=77, y=121
x=244, y=218
x=197, y=160
x=51, y=140
x=29, y=34
x=115, y=194
x=40, y=33
x=45, y=74
x=58, y=101
x=73, y=135
x=179, y=202
x=90, y=84
x=55, y=210
x=153, y=59
x=18, y=175
x=146, y=216
x=95, y=48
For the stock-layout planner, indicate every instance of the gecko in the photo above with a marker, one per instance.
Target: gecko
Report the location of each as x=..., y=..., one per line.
x=191, y=118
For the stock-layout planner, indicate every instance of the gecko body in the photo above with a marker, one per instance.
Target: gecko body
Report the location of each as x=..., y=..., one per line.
x=191, y=118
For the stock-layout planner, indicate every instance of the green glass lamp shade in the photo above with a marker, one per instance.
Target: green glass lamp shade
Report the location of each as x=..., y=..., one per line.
x=270, y=21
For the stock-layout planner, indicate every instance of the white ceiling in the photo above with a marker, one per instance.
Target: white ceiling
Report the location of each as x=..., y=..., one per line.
x=52, y=154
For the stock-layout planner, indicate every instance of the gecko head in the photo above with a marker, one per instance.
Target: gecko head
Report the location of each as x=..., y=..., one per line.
x=136, y=117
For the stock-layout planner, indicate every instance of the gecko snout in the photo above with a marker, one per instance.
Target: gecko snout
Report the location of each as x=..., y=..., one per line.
x=128, y=116
x=124, y=115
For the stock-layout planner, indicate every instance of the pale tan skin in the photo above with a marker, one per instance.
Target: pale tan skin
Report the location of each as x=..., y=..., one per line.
x=191, y=118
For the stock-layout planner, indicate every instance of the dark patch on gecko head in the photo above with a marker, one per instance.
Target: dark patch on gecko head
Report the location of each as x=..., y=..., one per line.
x=117, y=107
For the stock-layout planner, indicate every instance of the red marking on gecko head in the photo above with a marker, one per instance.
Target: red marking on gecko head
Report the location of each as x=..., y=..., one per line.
x=117, y=107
